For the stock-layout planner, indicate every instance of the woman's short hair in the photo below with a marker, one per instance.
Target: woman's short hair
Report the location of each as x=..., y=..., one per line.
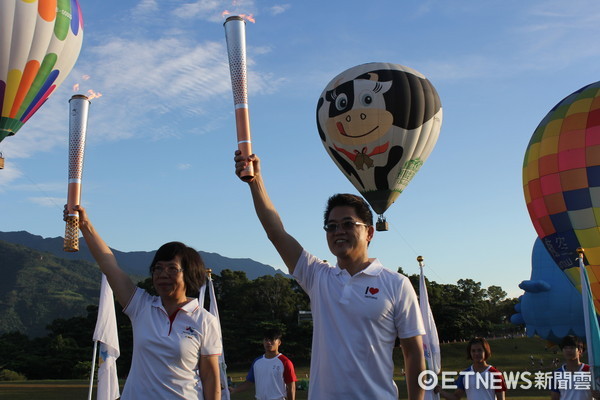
x=194, y=271
x=484, y=343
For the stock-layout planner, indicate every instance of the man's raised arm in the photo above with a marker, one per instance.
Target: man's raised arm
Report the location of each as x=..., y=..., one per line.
x=288, y=248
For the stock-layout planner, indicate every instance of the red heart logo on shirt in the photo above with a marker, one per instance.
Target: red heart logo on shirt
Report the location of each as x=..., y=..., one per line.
x=373, y=290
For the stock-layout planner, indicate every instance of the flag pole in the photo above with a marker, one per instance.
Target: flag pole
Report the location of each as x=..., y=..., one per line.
x=431, y=342
x=592, y=330
x=93, y=370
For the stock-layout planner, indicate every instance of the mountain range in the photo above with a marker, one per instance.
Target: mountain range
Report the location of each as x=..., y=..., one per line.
x=40, y=282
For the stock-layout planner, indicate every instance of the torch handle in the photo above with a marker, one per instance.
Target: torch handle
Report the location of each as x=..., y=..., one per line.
x=242, y=123
x=71, y=242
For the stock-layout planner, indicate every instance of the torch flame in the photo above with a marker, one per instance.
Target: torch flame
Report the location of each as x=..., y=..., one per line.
x=247, y=17
x=76, y=87
x=93, y=95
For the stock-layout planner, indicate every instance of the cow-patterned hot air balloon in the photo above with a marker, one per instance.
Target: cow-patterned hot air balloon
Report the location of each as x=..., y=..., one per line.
x=379, y=123
x=40, y=41
x=561, y=182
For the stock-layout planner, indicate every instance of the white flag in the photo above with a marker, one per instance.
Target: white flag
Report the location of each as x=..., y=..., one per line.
x=106, y=334
x=214, y=310
x=431, y=341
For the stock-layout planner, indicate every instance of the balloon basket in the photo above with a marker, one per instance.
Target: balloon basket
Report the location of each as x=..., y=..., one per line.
x=381, y=224
x=1, y=161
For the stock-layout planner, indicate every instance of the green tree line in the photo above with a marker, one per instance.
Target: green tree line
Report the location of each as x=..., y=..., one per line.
x=246, y=308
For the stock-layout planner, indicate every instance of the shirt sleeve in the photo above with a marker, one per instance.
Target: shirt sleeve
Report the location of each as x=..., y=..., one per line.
x=138, y=300
x=212, y=344
x=407, y=313
x=498, y=377
x=305, y=270
x=289, y=374
x=460, y=382
x=250, y=376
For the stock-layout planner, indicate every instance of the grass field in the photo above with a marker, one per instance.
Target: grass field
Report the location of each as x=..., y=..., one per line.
x=508, y=355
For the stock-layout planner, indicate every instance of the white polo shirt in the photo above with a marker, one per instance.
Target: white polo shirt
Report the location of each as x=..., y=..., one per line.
x=356, y=320
x=166, y=354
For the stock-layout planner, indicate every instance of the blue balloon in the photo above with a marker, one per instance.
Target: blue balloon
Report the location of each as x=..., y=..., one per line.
x=551, y=307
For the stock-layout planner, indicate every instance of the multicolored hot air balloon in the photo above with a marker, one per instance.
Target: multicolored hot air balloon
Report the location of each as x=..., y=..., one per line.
x=561, y=181
x=40, y=41
x=379, y=123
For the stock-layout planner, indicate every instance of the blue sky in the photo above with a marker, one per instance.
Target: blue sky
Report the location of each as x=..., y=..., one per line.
x=158, y=163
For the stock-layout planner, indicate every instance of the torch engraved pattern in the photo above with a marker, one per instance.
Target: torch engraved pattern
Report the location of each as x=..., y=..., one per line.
x=78, y=115
x=235, y=34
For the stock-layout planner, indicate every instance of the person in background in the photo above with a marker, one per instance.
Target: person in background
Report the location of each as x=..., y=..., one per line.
x=272, y=373
x=176, y=343
x=480, y=381
x=359, y=307
x=573, y=380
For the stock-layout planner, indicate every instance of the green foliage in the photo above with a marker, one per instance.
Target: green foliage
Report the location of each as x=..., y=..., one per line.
x=36, y=287
x=8, y=375
x=466, y=309
x=82, y=369
x=246, y=307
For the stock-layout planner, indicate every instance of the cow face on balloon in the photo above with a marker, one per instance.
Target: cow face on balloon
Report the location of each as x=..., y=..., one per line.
x=379, y=122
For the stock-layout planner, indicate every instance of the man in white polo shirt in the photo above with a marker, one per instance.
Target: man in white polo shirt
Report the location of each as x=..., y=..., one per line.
x=358, y=306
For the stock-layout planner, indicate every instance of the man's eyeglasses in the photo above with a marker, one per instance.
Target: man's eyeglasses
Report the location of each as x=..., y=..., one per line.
x=345, y=225
x=171, y=270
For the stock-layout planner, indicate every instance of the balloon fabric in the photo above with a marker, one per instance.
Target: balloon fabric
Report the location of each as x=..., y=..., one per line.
x=551, y=307
x=379, y=122
x=561, y=182
x=40, y=41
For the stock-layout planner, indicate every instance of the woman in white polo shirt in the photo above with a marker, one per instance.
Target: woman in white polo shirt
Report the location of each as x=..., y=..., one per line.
x=480, y=381
x=176, y=343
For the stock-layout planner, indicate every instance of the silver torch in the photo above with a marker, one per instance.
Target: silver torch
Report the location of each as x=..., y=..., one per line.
x=78, y=116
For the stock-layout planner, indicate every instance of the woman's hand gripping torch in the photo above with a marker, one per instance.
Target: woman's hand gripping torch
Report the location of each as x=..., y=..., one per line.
x=78, y=116
x=235, y=34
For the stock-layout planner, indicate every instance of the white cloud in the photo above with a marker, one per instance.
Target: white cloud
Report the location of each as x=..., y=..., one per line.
x=212, y=10
x=52, y=202
x=183, y=166
x=42, y=187
x=149, y=84
x=206, y=9
x=145, y=7
x=549, y=36
x=279, y=9
x=9, y=174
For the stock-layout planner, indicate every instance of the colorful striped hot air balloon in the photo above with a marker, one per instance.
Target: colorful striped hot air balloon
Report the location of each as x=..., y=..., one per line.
x=561, y=181
x=379, y=123
x=40, y=41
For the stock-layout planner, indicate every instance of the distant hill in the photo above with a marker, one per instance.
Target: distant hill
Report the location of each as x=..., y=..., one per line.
x=40, y=282
x=37, y=288
x=136, y=262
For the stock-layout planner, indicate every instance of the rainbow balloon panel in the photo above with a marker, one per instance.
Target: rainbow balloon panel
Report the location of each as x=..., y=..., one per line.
x=561, y=182
x=40, y=41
